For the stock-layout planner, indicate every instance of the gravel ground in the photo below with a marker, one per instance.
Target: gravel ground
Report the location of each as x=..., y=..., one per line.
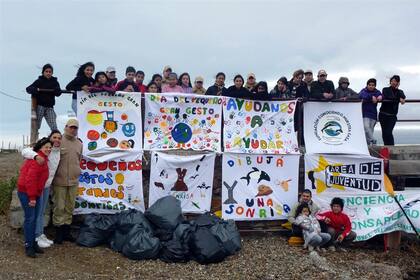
x=262, y=257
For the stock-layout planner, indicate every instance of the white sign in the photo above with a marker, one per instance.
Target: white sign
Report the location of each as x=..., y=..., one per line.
x=259, y=187
x=334, y=128
x=187, y=178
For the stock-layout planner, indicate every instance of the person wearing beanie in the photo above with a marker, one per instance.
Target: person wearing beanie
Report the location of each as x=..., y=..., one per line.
x=281, y=90
x=343, y=92
x=370, y=97
x=44, y=90
x=172, y=84
x=218, y=88
x=101, y=83
x=322, y=89
x=198, y=85
x=389, y=109
x=83, y=81
x=128, y=84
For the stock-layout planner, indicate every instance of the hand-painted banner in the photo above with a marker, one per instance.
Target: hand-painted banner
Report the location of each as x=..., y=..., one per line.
x=187, y=178
x=265, y=127
x=182, y=121
x=109, y=121
x=110, y=186
x=377, y=213
x=334, y=128
x=259, y=187
x=341, y=174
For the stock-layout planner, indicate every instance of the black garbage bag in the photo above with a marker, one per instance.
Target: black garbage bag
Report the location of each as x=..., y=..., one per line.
x=141, y=244
x=177, y=249
x=96, y=230
x=228, y=235
x=207, y=220
x=205, y=247
x=165, y=214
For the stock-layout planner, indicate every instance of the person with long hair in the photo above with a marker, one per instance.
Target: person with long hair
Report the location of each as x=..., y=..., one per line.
x=157, y=79
x=82, y=81
x=238, y=90
x=152, y=87
x=101, y=83
x=185, y=82
x=31, y=182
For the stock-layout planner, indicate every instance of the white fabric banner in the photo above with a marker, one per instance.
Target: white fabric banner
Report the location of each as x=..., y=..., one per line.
x=110, y=186
x=187, y=178
x=341, y=174
x=377, y=213
x=259, y=187
x=182, y=121
x=259, y=127
x=334, y=128
x=109, y=122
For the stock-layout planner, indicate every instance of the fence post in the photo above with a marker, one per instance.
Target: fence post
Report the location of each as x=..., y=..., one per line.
x=34, y=127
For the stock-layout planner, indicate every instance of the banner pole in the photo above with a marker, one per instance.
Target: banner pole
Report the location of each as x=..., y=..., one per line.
x=405, y=214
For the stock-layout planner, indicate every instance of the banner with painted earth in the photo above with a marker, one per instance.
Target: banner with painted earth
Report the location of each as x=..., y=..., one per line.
x=341, y=174
x=187, y=178
x=377, y=213
x=260, y=127
x=182, y=121
x=109, y=122
x=110, y=186
x=259, y=187
x=334, y=128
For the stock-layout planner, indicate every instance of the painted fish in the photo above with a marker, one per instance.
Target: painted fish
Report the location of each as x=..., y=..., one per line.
x=256, y=173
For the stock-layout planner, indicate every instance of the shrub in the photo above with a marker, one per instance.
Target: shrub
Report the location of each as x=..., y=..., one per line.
x=6, y=189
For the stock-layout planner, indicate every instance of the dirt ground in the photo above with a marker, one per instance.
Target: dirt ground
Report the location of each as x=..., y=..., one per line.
x=9, y=165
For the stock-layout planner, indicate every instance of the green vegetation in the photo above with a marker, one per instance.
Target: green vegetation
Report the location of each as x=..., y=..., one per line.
x=6, y=189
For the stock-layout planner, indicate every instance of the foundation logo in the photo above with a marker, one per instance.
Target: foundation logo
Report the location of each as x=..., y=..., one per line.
x=332, y=128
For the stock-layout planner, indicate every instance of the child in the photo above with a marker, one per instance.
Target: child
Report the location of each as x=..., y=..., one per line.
x=339, y=225
x=370, y=97
x=139, y=81
x=128, y=84
x=101, y=83
x=152, y=87
x=171, y=85
x=82, y=81
x=311, y=228
x=185, y=82
x=31, y=184
x=44, y=90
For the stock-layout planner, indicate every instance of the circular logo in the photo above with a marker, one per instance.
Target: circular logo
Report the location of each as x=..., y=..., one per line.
x=332, y=128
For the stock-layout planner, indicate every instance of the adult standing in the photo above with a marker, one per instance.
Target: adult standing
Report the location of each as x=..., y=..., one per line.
x=322, y=89
x=66, y=181
x=251, y=82
x=296, y=85
x=392, y=97
x=343, y=92
x=308, y=78
x=199, y=85
x=238, y=90
x=111, y=74
x=218, y=88
x=83, y=81
x=281, y=89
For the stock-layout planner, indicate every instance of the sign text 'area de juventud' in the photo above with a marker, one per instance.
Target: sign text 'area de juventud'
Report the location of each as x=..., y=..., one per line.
x=188, y=178
x=335, y=128
x=340, y=174
x=377, y=213
x=109, y=122
x=110, y=186
x=182, y=121
x=259, y=127
x=259, y=187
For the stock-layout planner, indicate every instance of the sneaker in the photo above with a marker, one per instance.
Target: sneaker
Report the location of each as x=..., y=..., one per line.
x=331, y=248
x=42, y=243
x=44, y=238
x=310, y=248
x=341, y=249
x=30, y=252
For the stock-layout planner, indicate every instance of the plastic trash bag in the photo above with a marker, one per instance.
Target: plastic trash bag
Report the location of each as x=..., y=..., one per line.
x=141, y=244
x=177, y=249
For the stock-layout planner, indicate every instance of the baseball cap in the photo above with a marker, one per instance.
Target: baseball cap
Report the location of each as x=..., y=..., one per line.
x=308, y=72
x=322, y=72
x=251, y=75
x=72, y=122
x=199, y=79
x=110, y=69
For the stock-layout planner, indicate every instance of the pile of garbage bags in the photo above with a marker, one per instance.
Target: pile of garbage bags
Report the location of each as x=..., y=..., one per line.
x=162, y=232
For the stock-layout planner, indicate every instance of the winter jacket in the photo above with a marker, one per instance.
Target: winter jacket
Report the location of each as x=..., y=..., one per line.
x=216, y=90
x=45, y=98
x=368, y=107
x=199, y=90
x=339, y=222
x=77, y=83
x=176, y=88
x=312, y=206
x=276, y=94
x=101, y=88
x=242, y=92
x=186, y=89
x=68, y=170
x=310, y=226
x=53, y=160
x=122, y=85
x=348, y=93
x=393, y=94
x=298, y=90
x=318, y=89
x=250, y=87
x=142, y=88
x=32, y=177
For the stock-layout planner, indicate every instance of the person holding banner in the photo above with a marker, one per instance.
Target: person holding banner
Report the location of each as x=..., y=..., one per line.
x=339, y=225
x=152, y=87
x=172, y=84
x=322, y=89
x=157, y=79
x=101, y=83
x=219, y=86
x=139, y=81
x=296, y=86
x=370, y=97
x=281, y=90
x=343, y=92
x=66, y=181
x=238, y=90
x=82, y=81
x=305, y=197
x=392, y=96
x=185, y=82
x=128, y=84
x=198, y=86
x=165, y=74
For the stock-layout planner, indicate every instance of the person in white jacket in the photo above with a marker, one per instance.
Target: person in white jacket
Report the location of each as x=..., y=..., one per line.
x=53, y=160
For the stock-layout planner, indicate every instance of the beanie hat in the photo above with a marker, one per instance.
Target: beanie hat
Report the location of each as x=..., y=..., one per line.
x=343, y=80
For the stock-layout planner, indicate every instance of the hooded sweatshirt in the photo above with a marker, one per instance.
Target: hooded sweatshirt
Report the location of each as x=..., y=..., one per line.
x=45, y=98
x=369, y=109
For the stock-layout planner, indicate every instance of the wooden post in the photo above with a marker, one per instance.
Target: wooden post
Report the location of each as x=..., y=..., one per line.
x=34, y=126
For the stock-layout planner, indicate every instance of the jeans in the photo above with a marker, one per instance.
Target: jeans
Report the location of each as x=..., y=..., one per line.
x=43, y=201
x=74, y=105
x=369, y=125
x=387, y=125
x=346, y=241
x=29, y=223
x=320, y=239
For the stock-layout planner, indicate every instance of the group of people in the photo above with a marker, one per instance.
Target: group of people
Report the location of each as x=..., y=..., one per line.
x=321, y=230
x=52, y=167
x=302, y=85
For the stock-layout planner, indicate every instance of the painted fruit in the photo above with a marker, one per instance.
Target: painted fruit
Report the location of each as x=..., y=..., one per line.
x=92, y=145
x=93, y=135
x=112, y=142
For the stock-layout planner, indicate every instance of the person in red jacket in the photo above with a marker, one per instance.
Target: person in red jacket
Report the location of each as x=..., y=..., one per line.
x=339, y=225
x=31, y=182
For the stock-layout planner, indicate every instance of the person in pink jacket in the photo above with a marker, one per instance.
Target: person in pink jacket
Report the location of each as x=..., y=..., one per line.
x=172, y=86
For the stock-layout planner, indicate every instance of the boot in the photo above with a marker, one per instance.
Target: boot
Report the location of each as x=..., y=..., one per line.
x=58, y=235
x=38, y=249
x=67, y=235
x=30, y=252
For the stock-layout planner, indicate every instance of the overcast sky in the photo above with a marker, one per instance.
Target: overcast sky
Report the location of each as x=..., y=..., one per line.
x=358, y=39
